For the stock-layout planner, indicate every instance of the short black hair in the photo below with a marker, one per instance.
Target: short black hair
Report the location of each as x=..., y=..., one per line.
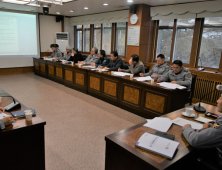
x=103, y=53
x=53, y=45
x=115, y=53
x=178, y=62
x=161, y=56
x=76, y=49
x=135, y=57
x=57, y=45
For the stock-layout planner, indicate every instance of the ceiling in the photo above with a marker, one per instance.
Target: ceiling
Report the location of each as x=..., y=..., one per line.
x=94, y=6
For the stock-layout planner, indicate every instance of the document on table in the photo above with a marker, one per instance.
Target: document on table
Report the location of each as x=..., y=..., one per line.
x=148, y=78
x=3, y=115
x=157, y=144
x=203, y=120
x=121, y=74
x=89, y=66
x=181, y=122
x=159, y=123
x=168, y=85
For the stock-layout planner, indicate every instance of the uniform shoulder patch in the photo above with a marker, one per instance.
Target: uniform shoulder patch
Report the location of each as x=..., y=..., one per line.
x=188, y=75
x=104, y=61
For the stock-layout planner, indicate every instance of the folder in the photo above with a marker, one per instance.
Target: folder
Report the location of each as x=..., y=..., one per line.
x=21, y=113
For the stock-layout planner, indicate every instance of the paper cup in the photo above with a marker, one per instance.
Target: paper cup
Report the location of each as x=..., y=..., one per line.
x=131, y=76
x=80, y=65
x=28, y=116
x=152, y=81
x=189, y=111
x=112, y=72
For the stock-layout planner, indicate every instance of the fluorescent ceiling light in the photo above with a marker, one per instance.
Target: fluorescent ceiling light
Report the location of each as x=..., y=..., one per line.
x=57, y=12
x=86, y=8
x=16, y=2
x=35, y=5
x=71, y=11
x=105, y=4
x=129, y=0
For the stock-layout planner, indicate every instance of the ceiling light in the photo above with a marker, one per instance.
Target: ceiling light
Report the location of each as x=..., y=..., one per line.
x=105, y=4
x=16, y=2
x=35, y=5
x=57, y=12
x=129, y=0
x=71, y=11
x=86, y=8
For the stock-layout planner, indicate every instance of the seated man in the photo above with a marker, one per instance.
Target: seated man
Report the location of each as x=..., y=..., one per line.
x=75, y=56
x=102, y=61
x=57, y=54
x=93, y=57
x=179, y=75
x=210, y=137
x=5, y=120
x=68, y=53
x=115, y=62
x=135, y=66
x=158, y=69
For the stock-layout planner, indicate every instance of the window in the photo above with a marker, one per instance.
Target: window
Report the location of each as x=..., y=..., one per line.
x=121, y=38
x=79, y=37
x=107, y=33
x=86, y=38
x=97, y=36
x=165, y=38
x=184, y=37
x=211, y=43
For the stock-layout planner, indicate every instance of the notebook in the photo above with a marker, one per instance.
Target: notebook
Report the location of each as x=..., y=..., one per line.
x=21, y=113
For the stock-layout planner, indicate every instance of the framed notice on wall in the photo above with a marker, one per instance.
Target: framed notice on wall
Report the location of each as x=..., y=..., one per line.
x=133, y=35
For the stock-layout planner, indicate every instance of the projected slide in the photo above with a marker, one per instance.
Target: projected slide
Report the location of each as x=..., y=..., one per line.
x=18, y=35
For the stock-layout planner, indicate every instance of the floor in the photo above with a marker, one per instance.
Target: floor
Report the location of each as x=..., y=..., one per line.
x=76, y=123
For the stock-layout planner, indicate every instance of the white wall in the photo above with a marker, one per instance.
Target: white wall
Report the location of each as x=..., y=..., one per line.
x=70, y=29
x=48, y=29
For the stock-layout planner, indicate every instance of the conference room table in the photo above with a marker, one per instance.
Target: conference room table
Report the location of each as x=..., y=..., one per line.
x=121, y=152
x=142, y=98
x=22, y=144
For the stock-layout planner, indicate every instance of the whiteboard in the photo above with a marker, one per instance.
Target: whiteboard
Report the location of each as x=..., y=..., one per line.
x=133, y=35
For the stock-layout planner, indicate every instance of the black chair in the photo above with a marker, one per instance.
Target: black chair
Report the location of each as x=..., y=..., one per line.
x=191, y=93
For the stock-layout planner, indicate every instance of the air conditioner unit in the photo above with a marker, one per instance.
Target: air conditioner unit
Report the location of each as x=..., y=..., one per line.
x=62, y=39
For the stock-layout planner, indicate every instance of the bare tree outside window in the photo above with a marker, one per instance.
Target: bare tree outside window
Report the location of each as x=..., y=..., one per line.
x=211, y=43
x=79, y=37
x=184, y=37
x=107, y=33
x=97, y=36
x=165, y=38
x=120, y=38
x=86, y=38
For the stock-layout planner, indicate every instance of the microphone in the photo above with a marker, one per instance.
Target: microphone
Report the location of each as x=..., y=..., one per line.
x=201, y=68
x=200, y=108
x=13, y=105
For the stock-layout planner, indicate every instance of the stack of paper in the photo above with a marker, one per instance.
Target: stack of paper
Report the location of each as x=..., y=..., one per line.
x=88, y=66
x=181, y=122
x=148, y=78
x=3, y=115
x=203, y=120
x=159, y=123
x=121, y=74
x=157, y=144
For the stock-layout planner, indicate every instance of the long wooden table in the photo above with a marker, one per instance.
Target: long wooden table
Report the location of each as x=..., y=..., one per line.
x=142, y=98
x=22, y=144
x=121, y=152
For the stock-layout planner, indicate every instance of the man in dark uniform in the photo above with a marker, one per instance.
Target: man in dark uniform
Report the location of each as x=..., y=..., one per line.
x=115, y=62
x=102, y=61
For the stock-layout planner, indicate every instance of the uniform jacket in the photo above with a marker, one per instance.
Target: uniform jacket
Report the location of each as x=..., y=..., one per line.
x=115, y=65
x=135, y=69
x=102, y=61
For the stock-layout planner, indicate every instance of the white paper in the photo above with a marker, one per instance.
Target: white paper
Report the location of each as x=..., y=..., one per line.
x=202, y=119
x=121, y=74
x=157, y=144
x=148, y=78
x=181, y=122
x=49, y=59
x=88, y=66
x=168, y=85
x=3, y=115
x=181, y=87
x=159, y=123
x=95, y=69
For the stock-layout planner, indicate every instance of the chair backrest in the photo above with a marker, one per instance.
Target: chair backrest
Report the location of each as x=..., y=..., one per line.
x=194, y=77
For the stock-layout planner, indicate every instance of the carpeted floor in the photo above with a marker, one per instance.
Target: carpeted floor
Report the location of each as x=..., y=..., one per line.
x=76, y=123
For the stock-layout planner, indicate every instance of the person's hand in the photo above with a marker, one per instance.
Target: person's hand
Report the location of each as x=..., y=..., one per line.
x=106, y=68
x=187, y=125
x=154, y=76
x=174, y=82
x=159, y=80
x=206, y=125
x=141, y=75
x=54, y=57
x=7, y=120
x=81, y=62
x=2, y=109
x=100, y=67
x=119, y=69
x=46, y=57
x=93, y=64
